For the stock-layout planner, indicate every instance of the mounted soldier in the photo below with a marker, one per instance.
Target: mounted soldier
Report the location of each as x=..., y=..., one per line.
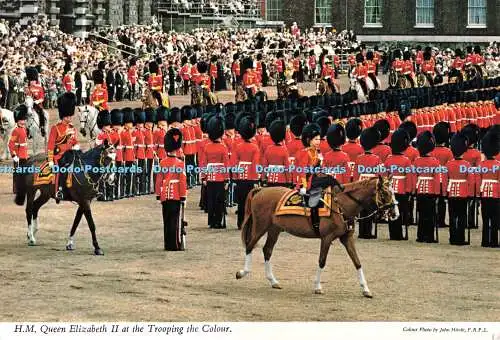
x=35, y=91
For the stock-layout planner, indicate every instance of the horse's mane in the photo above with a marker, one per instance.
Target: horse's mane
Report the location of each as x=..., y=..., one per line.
x=91, y=155
x=359, y=184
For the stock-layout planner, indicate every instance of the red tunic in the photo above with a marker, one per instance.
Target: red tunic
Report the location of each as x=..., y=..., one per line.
x=18, y=143
x=140, y=146
x=99, y=97
x=427, y=183
x=149, y=143
x=339, y=162
x=402, y=181
x=115, y=136
x=158, y=140
x=216, y=160
x=277, y=161
x=473, y=156
x=382, y=151
x=246, y=156
x=458, y=183
x=62, y=137
x=488, y=182
x=368, y=161
x=128, y=145
x=68, y=82
x=353, y=150
x=171, y=185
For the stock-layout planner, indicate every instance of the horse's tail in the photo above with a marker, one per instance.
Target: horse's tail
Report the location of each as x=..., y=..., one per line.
x=246, y=226
x=21, y=190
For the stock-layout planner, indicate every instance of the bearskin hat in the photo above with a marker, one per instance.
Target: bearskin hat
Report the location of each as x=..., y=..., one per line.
x=230, y=107
x=173, y=140
x=247, y=128
x=353, y=128
x=359, y=58
x=31, y=74
x=425, y=143
x=150, y=115
x=400, y=141
x=491, y=142
x=116, y=117
x=153, y=67
x=229, y=120
x=21, y=113
x=162, y=114
x=471, y=131
x=335, y=135
x=477, y=49
x=186, y=113
x=271, y=117
x=246, y=64
x=406, y=55
x=458, y=53
x=132, y=62
x=410, y=127
x=383, y=126
x=202, y=67
x=204, y=121
x=174, y=115
x=369, y=55
x=236, y=56
x=297, y=124
x=427, y=55
x=97, y=77
x=67, y=66
x=103, y=119
x=311, y=52
x=309, y=132
x=459, y=144
x=213, y=59
x=66, y=105
x=128, y=115
x=397, y=54
x=139, y=116
x=277, y=130
x=442, y=132
x=215, y=127
x=369, y=138
x=101, y=65
x=260, y=119
x=324, y=123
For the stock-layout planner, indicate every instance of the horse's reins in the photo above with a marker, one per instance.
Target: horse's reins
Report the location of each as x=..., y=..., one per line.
x=95, y=185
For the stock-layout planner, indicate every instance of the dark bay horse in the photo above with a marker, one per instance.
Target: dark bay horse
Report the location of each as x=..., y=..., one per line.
x=260, y=219
x=83, y=189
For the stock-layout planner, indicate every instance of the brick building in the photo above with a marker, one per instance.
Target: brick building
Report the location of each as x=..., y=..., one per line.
x=397, y=20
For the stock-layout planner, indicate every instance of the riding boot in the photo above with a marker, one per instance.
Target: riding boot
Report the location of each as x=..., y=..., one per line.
x=315, y=218
x=41, y=119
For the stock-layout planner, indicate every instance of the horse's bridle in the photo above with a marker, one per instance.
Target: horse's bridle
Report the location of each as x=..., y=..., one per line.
x=95, y=185
x=83, y=122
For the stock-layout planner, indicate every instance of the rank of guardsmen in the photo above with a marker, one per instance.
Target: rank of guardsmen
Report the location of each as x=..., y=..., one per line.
x=223, y=149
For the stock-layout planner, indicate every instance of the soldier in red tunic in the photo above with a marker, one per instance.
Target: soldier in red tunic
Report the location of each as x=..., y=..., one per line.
x=35, y=90
x=371, y=68
x=235, y=70
x=382, y=150
x=104, y=124
x=216, y=161
x=18, y=142
x=155, y=82
x=297, y=124
x=401, y=182
x=140, y=178
x=67, y=81
x=324, y=123
x=365, y=169
x=276, y=158
x=245, y=156
x=488, y=188
x=127, y=141
x=353, y=129
x=62, y=137
x=150, y=147
x=337, y=159
x=171, y=190
x=99, y=97
x=427, y=188
x=188, y=144
x=360, y=72
x=162, y=114
x=459, y=185
x=213, y=72
x=473, y=156
x=441, y=132
x=185, y=74
x=117, y=122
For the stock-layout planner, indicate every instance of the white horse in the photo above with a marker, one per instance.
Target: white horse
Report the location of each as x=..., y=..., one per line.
x=356, y=86
x=33, y=126
x=7, y=124
x=88, y=122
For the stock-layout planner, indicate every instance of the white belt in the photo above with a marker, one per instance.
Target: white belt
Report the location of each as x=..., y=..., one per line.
x=129, y=147
x=291, y=158
x=119, y=147
x=484, y=182
x=453, y=181
x=190, y=142
x=249, y=86
x=276, y=166
x=150, y=145
x=367, y=176
x=160, y=145
x=140, y=145
x=214, y=164
x=173, y=181
x=243, y=163
x=21, y=144
x=399, y=177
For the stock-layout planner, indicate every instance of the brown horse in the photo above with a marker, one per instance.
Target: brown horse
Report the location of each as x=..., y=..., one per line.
x=148, y=100
x=323, y=88
x=89, y=171
x=240, y=95
x=260, y=218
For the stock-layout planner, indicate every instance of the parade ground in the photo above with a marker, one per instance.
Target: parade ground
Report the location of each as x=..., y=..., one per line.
x=137, y=280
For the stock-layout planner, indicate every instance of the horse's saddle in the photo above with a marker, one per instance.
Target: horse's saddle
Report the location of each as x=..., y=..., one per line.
x=44, y=175
x=292, y=203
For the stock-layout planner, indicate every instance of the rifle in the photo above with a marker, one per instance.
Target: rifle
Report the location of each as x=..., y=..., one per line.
x=183, y=225
x=224, y=213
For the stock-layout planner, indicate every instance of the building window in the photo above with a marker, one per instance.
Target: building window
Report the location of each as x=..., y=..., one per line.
x=477, y=13
x=425, y=13
x=373, y=13
x=323, y=11
x=273, y=10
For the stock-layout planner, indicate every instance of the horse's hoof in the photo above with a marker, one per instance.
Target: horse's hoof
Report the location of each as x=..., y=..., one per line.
x=240, y=274
x=98, y=251
x=276, y=286
x=368, y=295
x=70, y=247
x=318, y=291
x=31, y=243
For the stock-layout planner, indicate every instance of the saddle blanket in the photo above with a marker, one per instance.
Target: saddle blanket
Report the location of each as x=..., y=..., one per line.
x=291, y=204
x=44, y=176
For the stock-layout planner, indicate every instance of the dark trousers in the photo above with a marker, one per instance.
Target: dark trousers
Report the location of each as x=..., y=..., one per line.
x=426, y=210
x=458, y=219
x=203, y=198
x=243, y=187
x=172, y=230
x=441, y=212
x=131, y=92
x=127, y=180
x=149, y=175
x=411, y=210
x=118, y=191
x=396, y=227
x=366, y=225
x=140, y=178
x=490, y=212
x=215, y=204
x=18, y=176
x=191, y=174
x=185, y=88
x=472, y=208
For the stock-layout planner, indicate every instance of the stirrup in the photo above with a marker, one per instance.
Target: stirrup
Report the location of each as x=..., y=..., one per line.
x=59, y=194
